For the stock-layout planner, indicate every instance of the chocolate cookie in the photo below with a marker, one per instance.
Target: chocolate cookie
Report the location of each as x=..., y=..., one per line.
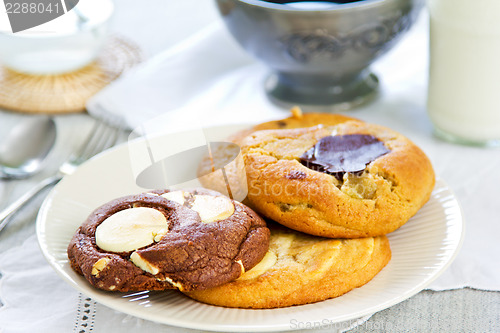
x=224, y=171
x=189, y=240
x=301, y=269
x=350, y=180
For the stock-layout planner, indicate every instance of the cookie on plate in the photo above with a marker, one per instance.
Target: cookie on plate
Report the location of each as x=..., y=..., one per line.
x=189, y=240
x=350, y=180
x=224, y=170
x=301, y=269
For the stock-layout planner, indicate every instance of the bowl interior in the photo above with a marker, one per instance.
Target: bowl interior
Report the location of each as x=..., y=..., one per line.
x=315, y=5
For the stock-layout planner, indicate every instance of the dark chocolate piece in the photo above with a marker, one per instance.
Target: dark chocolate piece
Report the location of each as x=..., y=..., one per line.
x=339, y=154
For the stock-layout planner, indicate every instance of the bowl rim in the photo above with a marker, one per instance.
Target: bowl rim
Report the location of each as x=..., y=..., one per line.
x=283, y=7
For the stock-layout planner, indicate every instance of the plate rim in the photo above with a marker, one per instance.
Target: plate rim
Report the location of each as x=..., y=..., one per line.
x=139, y=313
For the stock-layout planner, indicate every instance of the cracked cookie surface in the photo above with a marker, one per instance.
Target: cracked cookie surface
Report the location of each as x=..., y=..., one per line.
x=189, y=240
x=370, y=202
x=297, y=120
x=301, y=269
x=209, y=171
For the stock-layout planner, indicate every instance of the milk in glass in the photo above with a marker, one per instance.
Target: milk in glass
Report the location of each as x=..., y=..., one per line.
x=464, y=76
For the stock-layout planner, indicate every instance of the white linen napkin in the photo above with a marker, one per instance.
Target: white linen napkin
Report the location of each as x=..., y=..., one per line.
x=170, y=79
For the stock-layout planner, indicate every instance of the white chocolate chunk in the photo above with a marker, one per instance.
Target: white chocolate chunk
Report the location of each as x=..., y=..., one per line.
x=319, y=258
x=99, y=265
x=212, y=209
x=283, y=243
x=131, y=229
x=173, y=283
x=240, y=262
x=297, y=112
x=143, y=263
x=177, y=196
x=267, y=262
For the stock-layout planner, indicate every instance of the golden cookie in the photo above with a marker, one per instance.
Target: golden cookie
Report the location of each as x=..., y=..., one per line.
x=301, y=269
x=350, y=180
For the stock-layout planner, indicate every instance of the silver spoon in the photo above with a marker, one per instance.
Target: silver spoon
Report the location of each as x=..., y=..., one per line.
x=26, y=146
x=22, y=153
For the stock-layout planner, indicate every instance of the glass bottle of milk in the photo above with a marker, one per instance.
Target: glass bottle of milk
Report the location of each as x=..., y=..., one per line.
x=464, y=75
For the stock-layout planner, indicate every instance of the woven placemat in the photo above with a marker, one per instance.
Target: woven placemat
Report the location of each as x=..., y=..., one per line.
x=66, y=93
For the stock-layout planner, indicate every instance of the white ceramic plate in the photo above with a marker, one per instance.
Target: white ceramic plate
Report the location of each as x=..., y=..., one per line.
x=421, y=250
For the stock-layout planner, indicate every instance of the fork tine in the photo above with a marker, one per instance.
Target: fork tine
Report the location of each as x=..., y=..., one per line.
x=91, y=141
x=108, y=140
x=82, y=149
x=101, y=137
x=105, y=138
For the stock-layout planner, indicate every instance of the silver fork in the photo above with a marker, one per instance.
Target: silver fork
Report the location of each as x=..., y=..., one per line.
x=100, y=138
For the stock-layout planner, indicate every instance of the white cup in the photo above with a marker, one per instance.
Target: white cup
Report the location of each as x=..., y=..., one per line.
x=62, y=45
x=464, y=90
